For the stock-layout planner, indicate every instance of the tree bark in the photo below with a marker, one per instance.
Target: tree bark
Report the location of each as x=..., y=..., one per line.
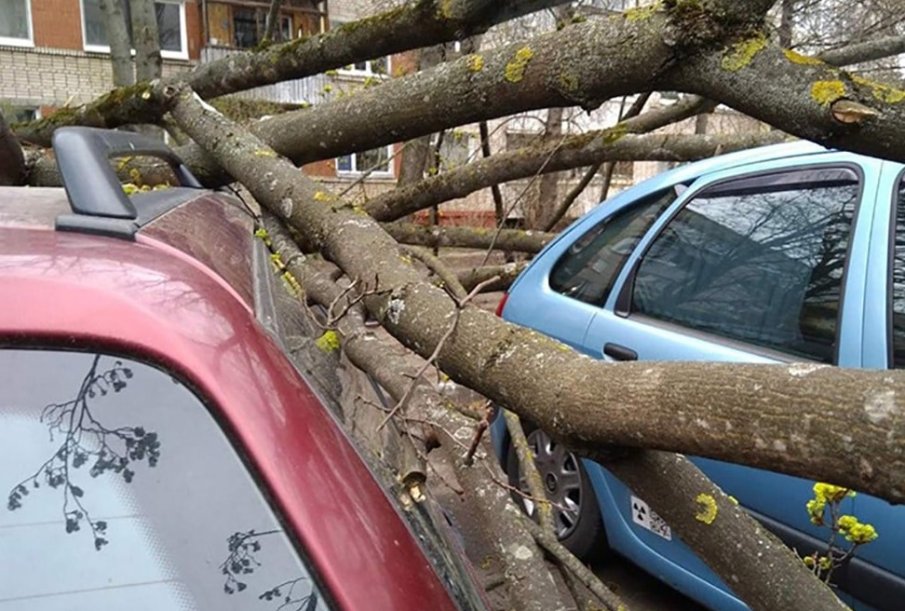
x=120, y=44
x=468, y=237
x=272, y=30
x=548, y=185
x=12, y=159
x=505, y=275
x=620, y=404
x=146, y=39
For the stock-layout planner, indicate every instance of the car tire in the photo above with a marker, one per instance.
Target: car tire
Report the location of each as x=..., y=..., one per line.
x=580, y=526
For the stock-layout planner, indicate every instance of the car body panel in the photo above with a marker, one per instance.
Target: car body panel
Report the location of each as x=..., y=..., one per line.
x=156, y=303
x=862, y=341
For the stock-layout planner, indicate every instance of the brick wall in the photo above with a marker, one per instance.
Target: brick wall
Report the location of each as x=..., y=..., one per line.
x=51, y=77
x=57, y=70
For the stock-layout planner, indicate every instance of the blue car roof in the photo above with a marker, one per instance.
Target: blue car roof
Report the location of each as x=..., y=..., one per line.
x=731, y=160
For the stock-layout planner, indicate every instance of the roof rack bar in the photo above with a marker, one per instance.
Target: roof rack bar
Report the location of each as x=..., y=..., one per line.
x=83, y=156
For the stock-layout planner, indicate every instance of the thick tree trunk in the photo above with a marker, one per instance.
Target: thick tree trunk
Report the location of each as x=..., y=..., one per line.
x=146, y=39
x=12, y=160
x=120, y=43
x=272, y=31
x=548, y=184
x=608, y=404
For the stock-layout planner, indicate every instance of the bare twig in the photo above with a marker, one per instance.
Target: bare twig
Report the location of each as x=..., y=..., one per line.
x=460, y=304
x=568, y=561
x=529, y=470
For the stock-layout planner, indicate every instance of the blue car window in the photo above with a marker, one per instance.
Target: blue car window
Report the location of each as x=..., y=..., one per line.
x=123, y=492
x=759, y=260
x=898, y=281
x=588, y=268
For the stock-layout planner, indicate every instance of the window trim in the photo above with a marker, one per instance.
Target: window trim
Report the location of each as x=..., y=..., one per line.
x=183, y=34
x=624, y=298
x=890, y=263
x=355, y=171
x=10, y=41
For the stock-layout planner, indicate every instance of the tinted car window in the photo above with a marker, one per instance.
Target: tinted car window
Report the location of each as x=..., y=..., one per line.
x=588, y=269
x=898, y=281
x=124, y=493
x=759, y=260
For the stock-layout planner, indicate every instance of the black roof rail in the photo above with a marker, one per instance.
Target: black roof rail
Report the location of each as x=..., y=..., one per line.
x=96, y=196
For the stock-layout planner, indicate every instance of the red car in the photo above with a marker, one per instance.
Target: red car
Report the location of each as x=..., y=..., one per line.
x=158, y=447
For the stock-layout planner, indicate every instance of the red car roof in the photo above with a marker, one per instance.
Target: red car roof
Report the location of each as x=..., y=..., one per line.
x=153, y=301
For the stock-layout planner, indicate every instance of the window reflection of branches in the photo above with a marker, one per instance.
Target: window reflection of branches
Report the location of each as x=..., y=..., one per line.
x=762, y=264
x=298, y=594
x=86, y=440
x=898, y=281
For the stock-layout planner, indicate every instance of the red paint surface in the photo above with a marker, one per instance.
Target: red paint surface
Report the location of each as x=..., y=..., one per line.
x=87, y=292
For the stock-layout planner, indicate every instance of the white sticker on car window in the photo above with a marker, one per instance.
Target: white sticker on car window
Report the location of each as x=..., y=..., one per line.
x=644, y=516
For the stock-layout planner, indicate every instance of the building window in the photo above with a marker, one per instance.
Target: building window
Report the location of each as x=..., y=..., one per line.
x=376, y=162
x=15, y=22
x=170, y=27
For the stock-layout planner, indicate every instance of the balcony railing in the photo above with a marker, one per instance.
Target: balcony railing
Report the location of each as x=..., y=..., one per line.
x=305, y=90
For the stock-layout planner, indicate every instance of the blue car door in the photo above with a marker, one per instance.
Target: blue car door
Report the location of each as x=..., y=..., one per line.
x=754, y=264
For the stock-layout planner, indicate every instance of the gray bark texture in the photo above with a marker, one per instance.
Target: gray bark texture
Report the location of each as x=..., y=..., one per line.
x=120, y=45
x=852, y=437
x=468, y=237
x=145, y=38
x=12, y=159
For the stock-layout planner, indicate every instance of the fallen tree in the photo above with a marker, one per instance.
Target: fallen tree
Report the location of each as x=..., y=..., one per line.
x=606, y=411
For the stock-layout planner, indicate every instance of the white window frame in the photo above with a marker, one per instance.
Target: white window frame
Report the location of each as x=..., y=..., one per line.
x=22, y=42
x=351, y=70
x=356, y=171
x=183, y=34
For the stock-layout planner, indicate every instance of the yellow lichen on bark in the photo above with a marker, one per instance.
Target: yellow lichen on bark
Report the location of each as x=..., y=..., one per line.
x=804, y=60
x=708, y=511
x=881, y=91
x=515, y=69
x=742, y=53
x=328, y=342
x=475, y=62
x=827, y=92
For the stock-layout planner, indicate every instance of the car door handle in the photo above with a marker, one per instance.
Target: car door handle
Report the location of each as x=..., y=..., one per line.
x=620, y=353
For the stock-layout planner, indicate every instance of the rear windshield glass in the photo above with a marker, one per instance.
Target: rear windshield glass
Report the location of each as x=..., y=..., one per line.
x=122, y=492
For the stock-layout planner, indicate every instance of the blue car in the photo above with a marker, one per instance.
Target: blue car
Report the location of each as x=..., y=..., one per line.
x=787, y=253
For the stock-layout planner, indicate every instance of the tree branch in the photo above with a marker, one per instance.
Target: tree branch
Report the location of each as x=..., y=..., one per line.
x=468, y=237
x=12, y=159
x=609, y=404
x=417, y=24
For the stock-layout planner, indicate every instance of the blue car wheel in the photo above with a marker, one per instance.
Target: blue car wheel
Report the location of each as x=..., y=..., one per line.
x=576, y=514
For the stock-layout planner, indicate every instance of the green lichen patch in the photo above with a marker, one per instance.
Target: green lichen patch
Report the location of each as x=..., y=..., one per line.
x=515, y=69
x=642, y=13
x=742, y=53
x=476, y=62
x=827, y=92
x=614, y=134
x=802, y=60
x=328, y=342
x=569, y=82
x=881, y=91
